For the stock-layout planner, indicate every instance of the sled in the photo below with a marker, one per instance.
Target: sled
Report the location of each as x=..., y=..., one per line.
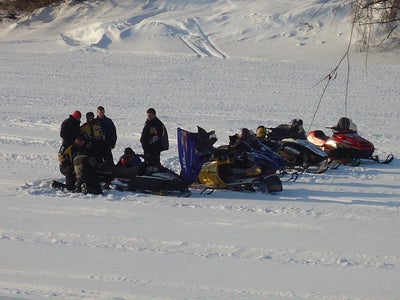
x=346, y=147
x=193, y=148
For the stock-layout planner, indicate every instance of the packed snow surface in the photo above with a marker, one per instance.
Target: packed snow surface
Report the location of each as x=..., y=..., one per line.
x=222, y=65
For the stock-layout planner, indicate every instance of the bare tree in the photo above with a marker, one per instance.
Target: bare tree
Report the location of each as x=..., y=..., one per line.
x=377, y=22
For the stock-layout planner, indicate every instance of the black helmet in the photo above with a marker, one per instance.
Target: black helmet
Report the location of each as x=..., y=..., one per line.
x=343, y=123
x=129, y=151
x=244, y=133
x=296, y=123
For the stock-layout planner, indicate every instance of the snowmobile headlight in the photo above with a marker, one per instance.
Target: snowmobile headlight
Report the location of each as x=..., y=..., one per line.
x=331, y=143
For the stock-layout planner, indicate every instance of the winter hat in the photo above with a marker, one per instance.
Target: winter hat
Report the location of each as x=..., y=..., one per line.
x=77, y=115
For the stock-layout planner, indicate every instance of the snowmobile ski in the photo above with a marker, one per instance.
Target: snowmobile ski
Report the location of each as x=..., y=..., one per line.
x=386, y=161
x=122, y=187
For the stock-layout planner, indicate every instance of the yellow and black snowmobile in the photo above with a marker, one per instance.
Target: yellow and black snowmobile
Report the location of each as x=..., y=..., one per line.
x=245, y=167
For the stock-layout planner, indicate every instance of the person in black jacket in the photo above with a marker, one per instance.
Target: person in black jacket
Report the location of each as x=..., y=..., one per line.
x=129, y=159
x=110, y=133
x=154, y=139
x=70, y=128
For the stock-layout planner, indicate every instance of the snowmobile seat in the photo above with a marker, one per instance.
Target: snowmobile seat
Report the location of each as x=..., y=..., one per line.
x=317, y=137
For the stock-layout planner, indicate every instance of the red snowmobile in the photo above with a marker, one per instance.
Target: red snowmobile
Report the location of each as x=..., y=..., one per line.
x=345, y=145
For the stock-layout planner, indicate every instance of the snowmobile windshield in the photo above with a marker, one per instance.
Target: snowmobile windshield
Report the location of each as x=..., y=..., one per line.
x=352, y=126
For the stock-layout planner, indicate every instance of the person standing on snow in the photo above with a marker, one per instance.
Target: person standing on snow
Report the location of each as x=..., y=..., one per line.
x=94, y=136
x=154, y=138
x=70, y=128
x=110, y=133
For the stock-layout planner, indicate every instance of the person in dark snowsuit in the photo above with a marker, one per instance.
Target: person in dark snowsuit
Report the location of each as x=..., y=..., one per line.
x=110, y=133
x=66, y=155
x=70, y=128
x=128, y=166
x=87, y=179
x=154, y=139
x=129, y=159
x=94, y=136
x=78, y=168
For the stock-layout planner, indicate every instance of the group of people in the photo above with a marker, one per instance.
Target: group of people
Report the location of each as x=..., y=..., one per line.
x=86, y=147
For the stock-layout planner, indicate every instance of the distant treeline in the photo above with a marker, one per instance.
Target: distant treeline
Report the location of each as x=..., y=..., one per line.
x=14, y=6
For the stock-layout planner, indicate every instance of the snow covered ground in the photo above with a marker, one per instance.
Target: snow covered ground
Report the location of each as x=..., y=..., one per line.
x=222, y=65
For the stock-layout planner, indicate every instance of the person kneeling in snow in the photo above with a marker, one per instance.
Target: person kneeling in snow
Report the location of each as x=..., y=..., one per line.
x=129, y=165
x=78, y=168
x=129, y=159
x=66, y=156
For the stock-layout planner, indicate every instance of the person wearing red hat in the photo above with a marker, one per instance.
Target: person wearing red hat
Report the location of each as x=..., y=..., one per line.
x=77, y=115
x=70, y=128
